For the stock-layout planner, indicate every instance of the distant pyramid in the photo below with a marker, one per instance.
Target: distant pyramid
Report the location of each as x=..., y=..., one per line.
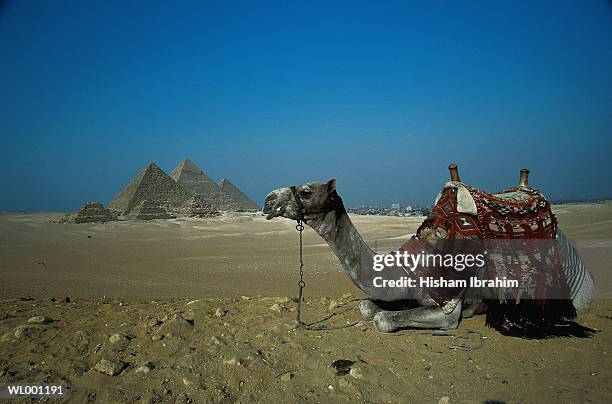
x=244, y=202
x=152, y=188
x=191, y=177
x=91, y=212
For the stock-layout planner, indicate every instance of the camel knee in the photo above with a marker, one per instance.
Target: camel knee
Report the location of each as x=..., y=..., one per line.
x=368, y=309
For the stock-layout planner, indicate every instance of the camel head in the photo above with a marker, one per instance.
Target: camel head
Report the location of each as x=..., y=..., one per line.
x=308, y=201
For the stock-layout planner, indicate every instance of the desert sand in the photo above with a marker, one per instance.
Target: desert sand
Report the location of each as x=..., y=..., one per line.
x=231, y=281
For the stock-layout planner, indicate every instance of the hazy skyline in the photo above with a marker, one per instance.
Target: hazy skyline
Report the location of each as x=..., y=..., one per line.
x=380, y=96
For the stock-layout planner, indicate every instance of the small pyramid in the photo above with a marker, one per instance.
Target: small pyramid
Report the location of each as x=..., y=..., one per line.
x=244, y=202
x=155, y=187
x=191, y=177
x=91, y=212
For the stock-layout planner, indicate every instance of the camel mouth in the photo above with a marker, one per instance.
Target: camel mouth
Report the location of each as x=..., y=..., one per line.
x=271, y=213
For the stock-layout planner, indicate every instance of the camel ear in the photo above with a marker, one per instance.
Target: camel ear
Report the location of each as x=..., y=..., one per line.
x=331, y=185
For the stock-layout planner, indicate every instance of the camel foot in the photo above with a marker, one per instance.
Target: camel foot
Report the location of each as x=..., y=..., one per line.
x=420, y=317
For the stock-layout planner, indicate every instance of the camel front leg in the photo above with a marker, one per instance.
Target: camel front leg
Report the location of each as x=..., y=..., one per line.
x=368, y=308
x=431, y=317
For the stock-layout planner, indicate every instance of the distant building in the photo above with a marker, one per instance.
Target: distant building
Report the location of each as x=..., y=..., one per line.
x=395, y=206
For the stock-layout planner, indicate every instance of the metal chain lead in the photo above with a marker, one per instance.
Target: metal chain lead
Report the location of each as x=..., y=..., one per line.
x=316, y=326
x=300, y=228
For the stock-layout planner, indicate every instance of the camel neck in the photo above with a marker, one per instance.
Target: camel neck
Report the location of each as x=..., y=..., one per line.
x=356, y=256
x=346, y=243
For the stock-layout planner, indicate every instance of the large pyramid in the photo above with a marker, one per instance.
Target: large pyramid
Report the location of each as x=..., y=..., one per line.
x=191, y=177
x=158, y=190
x=244, y=202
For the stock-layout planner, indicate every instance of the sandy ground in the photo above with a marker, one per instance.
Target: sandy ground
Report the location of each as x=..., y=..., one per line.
x=237, y=343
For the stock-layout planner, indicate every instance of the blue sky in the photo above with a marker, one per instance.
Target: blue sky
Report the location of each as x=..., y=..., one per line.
x=380, y=95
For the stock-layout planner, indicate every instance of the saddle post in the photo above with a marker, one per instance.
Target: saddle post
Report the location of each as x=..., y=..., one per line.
x=454, y=172
x=524, y=179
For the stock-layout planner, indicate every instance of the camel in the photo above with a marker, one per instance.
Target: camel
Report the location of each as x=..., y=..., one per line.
x=319, y=206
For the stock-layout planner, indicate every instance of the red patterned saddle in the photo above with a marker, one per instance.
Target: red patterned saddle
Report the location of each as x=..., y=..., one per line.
x=464, y=212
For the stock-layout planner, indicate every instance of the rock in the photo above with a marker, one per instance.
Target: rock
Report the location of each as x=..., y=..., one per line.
x=177, y=325
x=145, y=367
x=220, y=312
x=153, y=323
x=110, y=367
x=333, y=305
x=190, y=380
x=347, y=296
x=343, y=383
x=117, y=338
x=356, y=373
x=276, y=307
x=183, y=398
x=232, y=362
x=21, y=332
x=39, y=320
x=216, y=341
x=444, y=400
x=245, y=297
x=285, y=378
x=283, y=299
x=157, y=337
x=342, y=366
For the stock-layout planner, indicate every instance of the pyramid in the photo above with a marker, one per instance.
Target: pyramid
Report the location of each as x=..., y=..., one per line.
x=91, y=212
x=156, y=188
x=147, y=210
x=191, y=177
x=244, y=202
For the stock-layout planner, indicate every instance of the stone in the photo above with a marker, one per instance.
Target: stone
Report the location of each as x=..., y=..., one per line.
x=145, y=367
x=286, y=377
x=347, y=296
x=232, y=362
x=333, y=305
x=111, y=367
x=176, y=325
x=216, y=340
x=117, y=338
x=220, y=312
x=183, y=398
x=21, y=332
x=39, y=320
x=444, y=400
x=153, y=323
x=356, y=373
x=157, y=337
x=277, y=307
